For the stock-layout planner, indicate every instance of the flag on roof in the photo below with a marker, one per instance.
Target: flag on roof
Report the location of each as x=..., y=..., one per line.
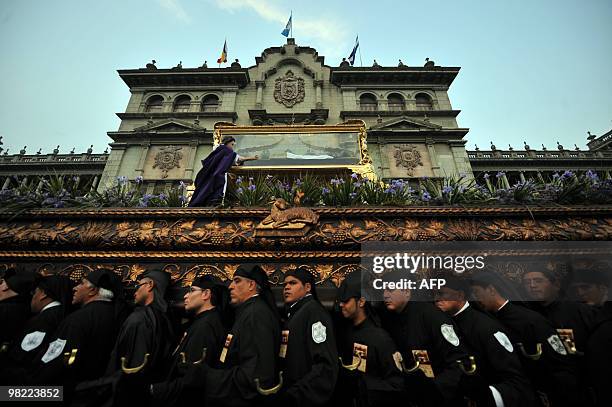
x=288, y=27
x=223, y=57
x=351, y=57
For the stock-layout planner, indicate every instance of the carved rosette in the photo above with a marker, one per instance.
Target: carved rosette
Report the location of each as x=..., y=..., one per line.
x=167, y=158
x=409, y=157
x=289, y=90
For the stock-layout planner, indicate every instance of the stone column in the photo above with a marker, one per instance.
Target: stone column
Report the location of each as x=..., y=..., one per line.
x=259, y=98
x=318, y=94
x=7, y=182
x=433, y=156
x=139, y=170
x=522, y=176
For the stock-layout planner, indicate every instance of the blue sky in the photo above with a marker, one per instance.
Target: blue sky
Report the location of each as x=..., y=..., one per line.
x=532, y=70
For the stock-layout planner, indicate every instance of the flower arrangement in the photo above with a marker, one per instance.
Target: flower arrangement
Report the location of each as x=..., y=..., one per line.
x=312, y=190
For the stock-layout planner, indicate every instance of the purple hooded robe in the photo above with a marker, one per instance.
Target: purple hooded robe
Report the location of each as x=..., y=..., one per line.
x=210, y=181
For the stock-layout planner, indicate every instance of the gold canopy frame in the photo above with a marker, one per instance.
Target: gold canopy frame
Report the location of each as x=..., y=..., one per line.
x=362, y=165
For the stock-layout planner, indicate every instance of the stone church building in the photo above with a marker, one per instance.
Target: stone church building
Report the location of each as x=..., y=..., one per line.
x=412, y=131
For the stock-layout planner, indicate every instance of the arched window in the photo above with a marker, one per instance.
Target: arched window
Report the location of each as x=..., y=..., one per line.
x=423, y=101
x=181, y=104
x=210, y=103
x=367, y=101
x=155, y=104
x=395, y=101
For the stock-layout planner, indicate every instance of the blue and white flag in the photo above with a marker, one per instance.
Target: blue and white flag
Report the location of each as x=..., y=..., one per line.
x=288, y=27
x=351, y=57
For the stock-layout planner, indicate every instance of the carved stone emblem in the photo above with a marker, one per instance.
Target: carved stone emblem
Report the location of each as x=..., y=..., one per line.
x=168, y=158
x=289, y=90
x=409, y=157
x=286, y=222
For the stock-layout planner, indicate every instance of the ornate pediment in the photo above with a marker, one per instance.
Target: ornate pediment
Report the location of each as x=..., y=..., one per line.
x=168, y=126
x=405, y=123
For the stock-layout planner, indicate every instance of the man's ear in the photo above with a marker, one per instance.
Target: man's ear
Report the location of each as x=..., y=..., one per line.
x=308, y=287
x=361, y=302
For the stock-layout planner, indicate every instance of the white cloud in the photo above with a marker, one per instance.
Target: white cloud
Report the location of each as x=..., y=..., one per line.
x=175, y=8
x=328, y=31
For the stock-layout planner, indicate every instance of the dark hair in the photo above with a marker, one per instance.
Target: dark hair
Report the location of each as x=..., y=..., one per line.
x=227, y=139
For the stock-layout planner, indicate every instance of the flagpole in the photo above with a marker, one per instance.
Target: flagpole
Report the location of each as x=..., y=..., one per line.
x=291, y=29
x=359, y=48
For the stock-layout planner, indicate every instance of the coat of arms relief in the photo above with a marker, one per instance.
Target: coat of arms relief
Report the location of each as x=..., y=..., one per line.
x=289, y=90
x=167, y=158
x=409, y=157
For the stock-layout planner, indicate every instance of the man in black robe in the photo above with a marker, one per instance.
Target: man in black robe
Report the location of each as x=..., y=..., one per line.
x=599, y=357
x=146, y=331
x=206, y=300
x=15, y=291
x=590, y=287
x=248, y=362
x=424, y=334
x=573, y=320
x=211, y=181
x=308, y=352
x=545, y=359
x=50, y=302
x=373, y=374
x=80, y=348
x=499, y=379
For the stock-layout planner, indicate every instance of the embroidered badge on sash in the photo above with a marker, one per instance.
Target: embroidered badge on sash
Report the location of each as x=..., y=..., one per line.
x=449, y=334
x=556, y=343
x=319, y=332
x=504, y=341
x=54, y=350
x=284, y=342
x=422, y=357
x=567, y=338
x=228, y=341
x=360, y=350
x=32, y=340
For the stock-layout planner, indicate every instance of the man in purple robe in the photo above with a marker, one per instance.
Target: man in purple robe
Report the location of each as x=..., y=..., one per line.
x=211, y=181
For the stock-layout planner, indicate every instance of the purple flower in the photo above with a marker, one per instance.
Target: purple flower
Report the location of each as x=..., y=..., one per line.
x=357, y=184
x=325, y=191
x=486, y=175
x=239, y=190
x=239, y=180
x=353, y=195
x=181, y=184
x=139, y=179
x=252, y=187
x=591, y=175
x=298, y=182
x=335, y=181
x=556, y=175
x=162, y=196
x=500, y=174
x=354, y=175
x=121, y=179
x=426, y=197
x=567, y=174
x=447, y=190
